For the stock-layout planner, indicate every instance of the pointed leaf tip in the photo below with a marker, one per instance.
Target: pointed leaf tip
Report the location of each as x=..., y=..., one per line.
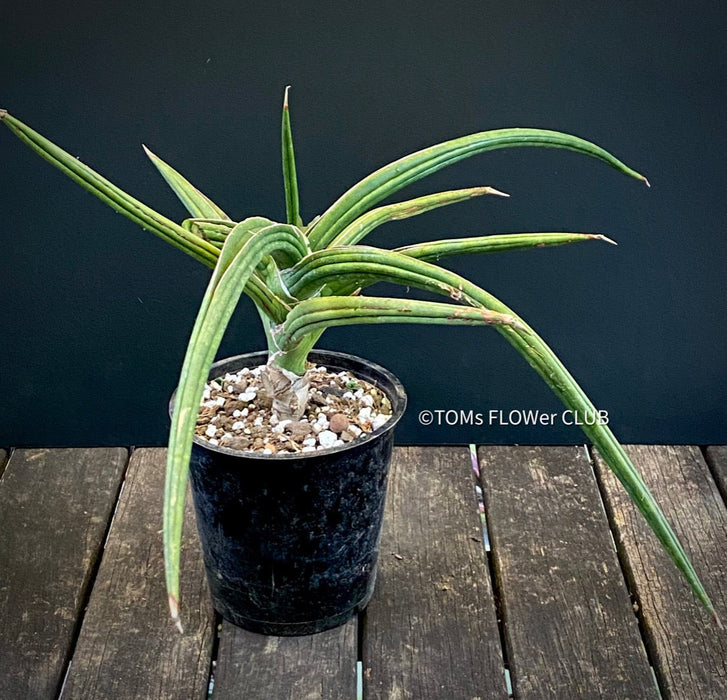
x=605, y=239
x=3, y=113
x=717, y=621
x=174, y=612
x=285, y=97
x=153, y=157
x=646, y=182
x=492, y=190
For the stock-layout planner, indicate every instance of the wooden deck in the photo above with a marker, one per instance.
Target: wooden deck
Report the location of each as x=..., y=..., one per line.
x=564, y=595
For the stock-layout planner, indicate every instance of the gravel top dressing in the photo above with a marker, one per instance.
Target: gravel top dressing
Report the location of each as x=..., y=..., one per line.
x=236, y=413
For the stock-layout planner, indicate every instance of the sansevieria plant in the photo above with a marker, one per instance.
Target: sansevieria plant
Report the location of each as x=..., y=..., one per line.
x=304, y=278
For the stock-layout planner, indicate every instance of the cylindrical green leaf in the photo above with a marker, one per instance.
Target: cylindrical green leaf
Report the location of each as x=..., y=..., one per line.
x=196, y=203
x=320, y=313
x=338, y=266
x=108, y=193
x=433, y=251
x=290, y=177
x=361, y=227
x=245, y=248
x=391, y=178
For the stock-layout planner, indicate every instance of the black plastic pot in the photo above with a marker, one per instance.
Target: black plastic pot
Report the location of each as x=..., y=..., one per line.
x=290, y=542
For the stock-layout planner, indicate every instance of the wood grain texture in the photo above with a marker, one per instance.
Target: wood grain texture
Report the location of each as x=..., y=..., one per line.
x=316, y=667
x=128, y=647
x=570, y=630
x=688, y=651
x=430, y=630
x=717, y=460
x=55, y=506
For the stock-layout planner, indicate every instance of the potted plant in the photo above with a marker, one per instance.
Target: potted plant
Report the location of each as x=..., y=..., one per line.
x=304, y=278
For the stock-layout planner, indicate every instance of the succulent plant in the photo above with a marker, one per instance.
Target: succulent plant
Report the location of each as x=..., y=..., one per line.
x=306, y=278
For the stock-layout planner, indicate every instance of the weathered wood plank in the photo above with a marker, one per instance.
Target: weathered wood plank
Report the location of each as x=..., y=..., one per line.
x=316, y=667
x=430, y=630
x=128, y=647
x=55, y=506
x=717, y=460
x=569, y=627
x=688, y=651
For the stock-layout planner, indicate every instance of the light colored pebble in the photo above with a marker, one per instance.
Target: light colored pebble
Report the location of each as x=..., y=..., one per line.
x=328, y=429
x=364, y=414
x=327, y=439
x=379, y=420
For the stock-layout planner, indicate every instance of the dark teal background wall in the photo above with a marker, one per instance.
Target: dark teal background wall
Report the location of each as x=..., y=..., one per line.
x=95, y=313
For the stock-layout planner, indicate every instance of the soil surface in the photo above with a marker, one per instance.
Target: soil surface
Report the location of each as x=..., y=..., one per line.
x=236, y=413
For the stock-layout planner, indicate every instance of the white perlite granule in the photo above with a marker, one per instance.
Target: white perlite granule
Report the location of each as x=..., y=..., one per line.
x=236, y=413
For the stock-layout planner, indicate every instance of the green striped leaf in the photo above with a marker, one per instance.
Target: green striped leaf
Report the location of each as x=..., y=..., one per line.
x=108, y=193
x=361, y=227
x=290, y=177
x=246, y=247
x=196, y=203
x=391, y=178
x=494, y=243
x=319, y=313
x=339, y=266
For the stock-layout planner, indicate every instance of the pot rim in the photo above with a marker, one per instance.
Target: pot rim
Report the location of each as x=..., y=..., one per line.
x=397, y=398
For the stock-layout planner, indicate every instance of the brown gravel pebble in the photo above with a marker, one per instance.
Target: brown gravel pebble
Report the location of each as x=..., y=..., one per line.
x=236, y=413
x=338, y=423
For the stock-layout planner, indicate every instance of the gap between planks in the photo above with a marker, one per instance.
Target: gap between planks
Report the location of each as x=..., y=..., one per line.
x=568, y=624
x=688, y=651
